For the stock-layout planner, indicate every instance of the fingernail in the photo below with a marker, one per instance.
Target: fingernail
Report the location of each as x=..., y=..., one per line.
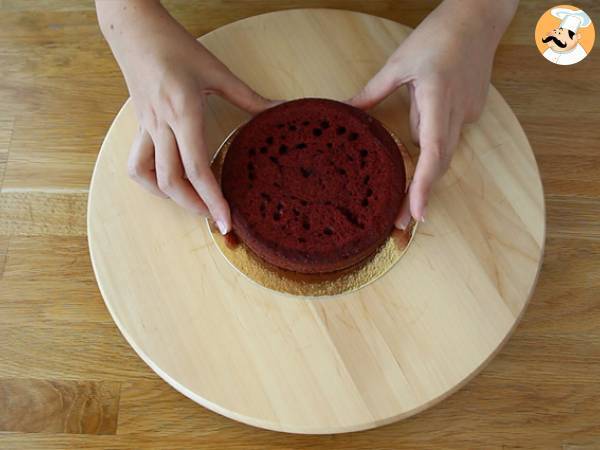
x=422, y=219
x=222, y=227
x=403, y=223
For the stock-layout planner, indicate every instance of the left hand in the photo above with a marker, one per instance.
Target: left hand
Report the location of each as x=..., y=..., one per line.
x=446, y=63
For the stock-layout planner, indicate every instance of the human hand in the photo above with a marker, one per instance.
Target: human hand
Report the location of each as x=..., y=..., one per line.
x=446, y=64
x=169, y=74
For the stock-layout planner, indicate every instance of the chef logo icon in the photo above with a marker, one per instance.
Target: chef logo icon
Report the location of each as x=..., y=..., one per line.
x=564, y=35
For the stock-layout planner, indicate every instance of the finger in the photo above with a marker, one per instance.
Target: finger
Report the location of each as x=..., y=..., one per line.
x=379, y=87
x=404, y=215
x=240, y=94
x=170, y=174
x=457, y=120
x=414, y=115
x=140, y=164
x=433, y=169
x=434, y=112
x=194, y=155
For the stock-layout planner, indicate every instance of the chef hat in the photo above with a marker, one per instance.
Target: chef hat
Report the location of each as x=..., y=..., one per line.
x=571, y=20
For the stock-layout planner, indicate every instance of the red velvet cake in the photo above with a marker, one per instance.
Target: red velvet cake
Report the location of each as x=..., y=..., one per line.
x=314, y=185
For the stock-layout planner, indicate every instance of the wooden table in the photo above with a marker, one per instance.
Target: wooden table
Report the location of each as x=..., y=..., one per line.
x=67, y=377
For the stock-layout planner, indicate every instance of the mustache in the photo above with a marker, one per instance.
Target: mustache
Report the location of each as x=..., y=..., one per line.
x=556, y=41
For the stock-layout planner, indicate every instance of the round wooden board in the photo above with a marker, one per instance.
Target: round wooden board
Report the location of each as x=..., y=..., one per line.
x=332, y=364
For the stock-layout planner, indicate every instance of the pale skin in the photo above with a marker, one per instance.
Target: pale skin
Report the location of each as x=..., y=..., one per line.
x=445, y=62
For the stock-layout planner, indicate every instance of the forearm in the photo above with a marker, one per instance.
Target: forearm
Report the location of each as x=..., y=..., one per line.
x=133, y=25
x=118, y=17
x=140, y=30
x=486, y=19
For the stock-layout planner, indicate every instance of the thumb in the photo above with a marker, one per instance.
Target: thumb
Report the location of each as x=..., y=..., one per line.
x=384, y=83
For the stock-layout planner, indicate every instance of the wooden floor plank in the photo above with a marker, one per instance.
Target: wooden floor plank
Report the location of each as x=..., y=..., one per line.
x=52, y=319
x=83, y=351
x=49, y=281
x=4, y=242
x=56, y=406
x=573, y=217
x=31, y=213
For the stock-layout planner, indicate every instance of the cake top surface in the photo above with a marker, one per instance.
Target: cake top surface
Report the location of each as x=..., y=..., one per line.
x=313, y=177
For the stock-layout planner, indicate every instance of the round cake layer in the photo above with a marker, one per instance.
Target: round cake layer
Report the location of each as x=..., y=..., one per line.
x=314, y=185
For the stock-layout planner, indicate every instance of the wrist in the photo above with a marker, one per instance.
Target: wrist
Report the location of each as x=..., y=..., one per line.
x=125, y=23
x=488, y=18
x=472, y=27
x=116, y=17
x=139, y=32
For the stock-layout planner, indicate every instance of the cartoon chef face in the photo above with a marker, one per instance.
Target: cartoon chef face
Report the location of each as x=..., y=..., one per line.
x=561, y=39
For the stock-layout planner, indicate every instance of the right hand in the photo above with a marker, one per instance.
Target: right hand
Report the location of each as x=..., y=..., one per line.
x=168, y=74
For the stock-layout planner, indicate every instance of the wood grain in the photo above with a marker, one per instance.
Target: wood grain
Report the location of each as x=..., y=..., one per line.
x=41, y=406
x=540, y=392
x=55, y=212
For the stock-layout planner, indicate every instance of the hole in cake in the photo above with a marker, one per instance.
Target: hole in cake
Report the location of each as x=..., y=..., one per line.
x=305, y=172
x=292, y=127
x=363, y=164
x=250, y=167
x=270, y=140
x=252, y=152
x=366, y=179
x=274, y=160
x=353, y=136
x=280, y=125
x=329, y=145
x=350, y=217
x=340, y=130
x=325, y=124
x=277, y=215
x=251, y=176
x=369, y=192
x=303, y=202
x=279, y=206
x=306, y=225
x=265, y=196
x=305, y=123
x=277, y=185
x=283, y=149
x=282, y=137
x=328, y=231
x=363, y=152
x=263, y=150
x=301, y=145
x=365, y=202
x=301, y=240
x=341, y=171
x=317, y=132
x=296, y=212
